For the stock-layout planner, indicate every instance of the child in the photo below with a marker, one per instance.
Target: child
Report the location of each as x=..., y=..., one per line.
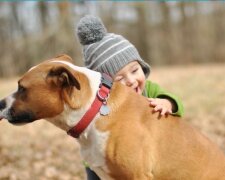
x=113, y=54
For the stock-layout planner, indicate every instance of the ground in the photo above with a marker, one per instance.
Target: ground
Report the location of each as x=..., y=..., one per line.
x=40, y=151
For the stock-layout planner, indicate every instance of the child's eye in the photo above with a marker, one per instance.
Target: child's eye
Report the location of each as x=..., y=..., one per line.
x=118, y=78
x=135, y=70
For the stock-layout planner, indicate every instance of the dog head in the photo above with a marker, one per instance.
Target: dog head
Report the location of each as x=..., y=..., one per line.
x=45, y=90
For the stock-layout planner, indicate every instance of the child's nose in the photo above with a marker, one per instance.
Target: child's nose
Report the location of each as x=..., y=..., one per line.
x=129, y=81
x=129, y=84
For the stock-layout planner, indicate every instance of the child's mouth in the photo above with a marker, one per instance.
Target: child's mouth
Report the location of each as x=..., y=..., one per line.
x=136, y=89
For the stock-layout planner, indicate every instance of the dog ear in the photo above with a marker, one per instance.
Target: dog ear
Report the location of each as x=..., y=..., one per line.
x=63, y=77
x=69, y=81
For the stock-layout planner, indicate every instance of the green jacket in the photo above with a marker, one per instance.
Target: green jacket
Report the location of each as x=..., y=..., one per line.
x=153, y=90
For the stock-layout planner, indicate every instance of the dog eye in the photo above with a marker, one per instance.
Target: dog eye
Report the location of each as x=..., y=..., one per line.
x=21, y=89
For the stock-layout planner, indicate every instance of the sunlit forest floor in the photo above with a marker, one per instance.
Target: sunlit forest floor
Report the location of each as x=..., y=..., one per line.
x=41, y=151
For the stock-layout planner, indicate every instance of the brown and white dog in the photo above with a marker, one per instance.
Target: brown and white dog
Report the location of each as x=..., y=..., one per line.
x=129, y=142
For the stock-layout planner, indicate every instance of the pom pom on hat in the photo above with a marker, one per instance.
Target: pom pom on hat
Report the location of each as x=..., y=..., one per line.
x=90, y=29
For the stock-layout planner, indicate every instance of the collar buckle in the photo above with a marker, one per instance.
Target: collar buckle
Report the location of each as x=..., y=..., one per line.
x=101, y=98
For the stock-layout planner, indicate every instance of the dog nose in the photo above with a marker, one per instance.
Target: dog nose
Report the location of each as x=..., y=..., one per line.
x=2, y=104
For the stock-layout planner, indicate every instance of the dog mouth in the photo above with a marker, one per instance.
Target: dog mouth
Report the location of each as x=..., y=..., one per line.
x=20, y=120
x=21, y=117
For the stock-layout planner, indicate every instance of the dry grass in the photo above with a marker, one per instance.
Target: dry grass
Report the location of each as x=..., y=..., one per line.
x=42, y=151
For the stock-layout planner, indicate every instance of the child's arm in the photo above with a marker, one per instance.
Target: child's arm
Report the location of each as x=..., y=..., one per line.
x=164, y=102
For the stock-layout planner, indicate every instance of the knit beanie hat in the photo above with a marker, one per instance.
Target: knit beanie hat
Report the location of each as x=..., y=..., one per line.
x=106, y=52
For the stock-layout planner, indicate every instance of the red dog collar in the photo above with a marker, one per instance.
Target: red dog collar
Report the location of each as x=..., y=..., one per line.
x=99, y=104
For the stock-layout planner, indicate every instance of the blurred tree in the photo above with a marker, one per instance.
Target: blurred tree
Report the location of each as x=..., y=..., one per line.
x=108, y=13
x=163, y=32
x=186, y=27
x=43, y=14
x=66, y=40
x=218, y=23
x=64, y=13
x=165, y=29
x=143, y=29
x=10, y=28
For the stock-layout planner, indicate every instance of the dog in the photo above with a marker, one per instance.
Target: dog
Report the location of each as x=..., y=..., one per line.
x=120, y=137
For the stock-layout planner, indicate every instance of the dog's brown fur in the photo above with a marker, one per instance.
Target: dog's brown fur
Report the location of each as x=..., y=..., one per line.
x=142, y=146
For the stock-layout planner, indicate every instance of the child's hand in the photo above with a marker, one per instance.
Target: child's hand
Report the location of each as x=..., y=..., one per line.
x=163, y=106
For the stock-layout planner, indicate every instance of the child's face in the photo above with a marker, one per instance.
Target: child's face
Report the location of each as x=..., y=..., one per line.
x=132, y=76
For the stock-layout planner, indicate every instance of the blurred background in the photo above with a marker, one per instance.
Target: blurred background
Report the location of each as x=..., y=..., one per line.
x=165, y=33
x=184, y=42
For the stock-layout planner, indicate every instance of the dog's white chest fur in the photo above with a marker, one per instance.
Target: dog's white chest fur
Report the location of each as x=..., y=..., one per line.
x=93, y=147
